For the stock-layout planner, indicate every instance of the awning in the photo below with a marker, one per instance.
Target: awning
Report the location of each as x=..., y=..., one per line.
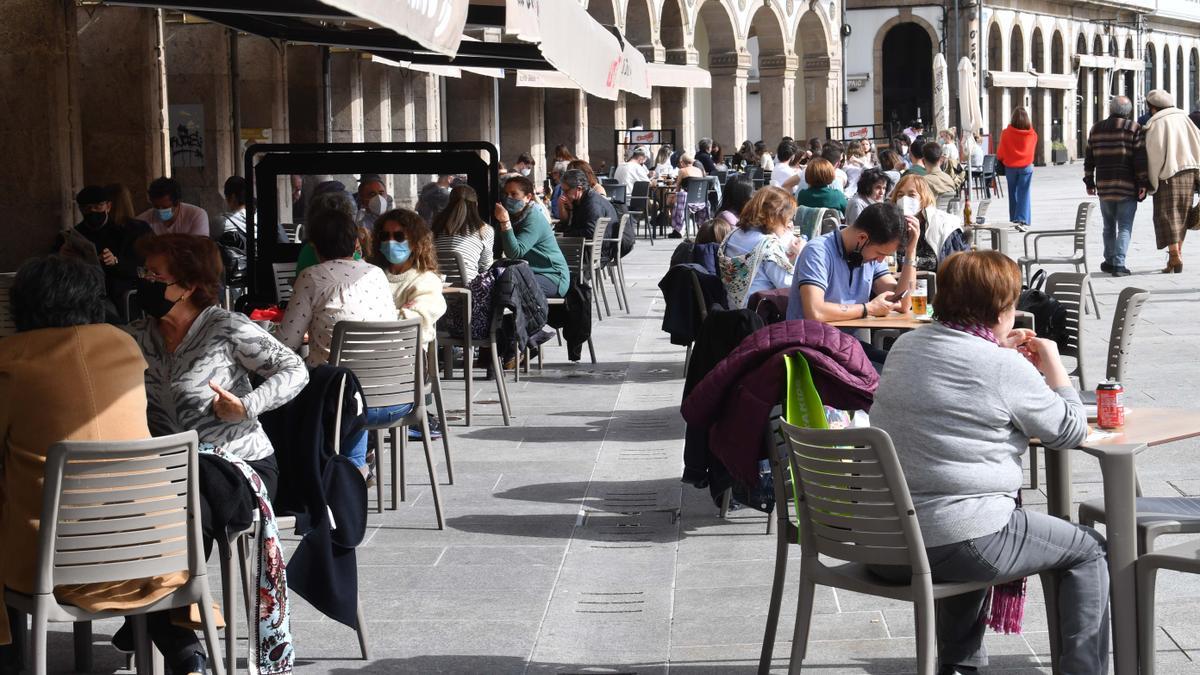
x=435, y=25
x=1110, y=62
x=672, y=75
x=633, y=77
x=576, y=45
x=443, y=71
x=1001, y=78
x=545, y=79
x=1056, y=81
x=521, y=20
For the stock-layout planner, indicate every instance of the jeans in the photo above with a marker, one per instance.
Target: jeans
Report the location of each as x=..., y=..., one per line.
x=1118, y=226
x=380, y=416
x=549, y=286
x=1031, y=543
x=1019, y=181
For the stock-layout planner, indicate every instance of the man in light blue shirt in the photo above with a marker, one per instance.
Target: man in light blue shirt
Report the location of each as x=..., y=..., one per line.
x=842, y=275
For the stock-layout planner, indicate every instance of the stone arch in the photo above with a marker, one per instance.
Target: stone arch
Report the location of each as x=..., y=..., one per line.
x=1037, y=50
x=721, y=111
x=997, y=55
x=1016, y=47
x=1194, y=78
x=1097, y=44
x=1166, y=68
x=770, y=101
x=640, y=27
x=905, y=16
x=995, y=47
x=1151, y=67
x=820, y=95
x=1179, y=89
x=673, y=31
x=1056, y=52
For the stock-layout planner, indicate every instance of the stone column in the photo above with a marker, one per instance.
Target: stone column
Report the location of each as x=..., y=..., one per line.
x=41, y=133
x=656, y=115
x=777, y=87
x=523, y=125
x=377, y=109
x=349, y=124
x=120, y=98
x=822, y=95
x=198, y=76
x=263, y=96
x=306, y=121
x=427, y=91
x=404, y=129
x=471, y=115
x=730, y=71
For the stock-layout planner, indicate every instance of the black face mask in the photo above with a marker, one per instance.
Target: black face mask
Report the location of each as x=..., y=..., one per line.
x=94, y=220
x=854, y=259
x=152, y=297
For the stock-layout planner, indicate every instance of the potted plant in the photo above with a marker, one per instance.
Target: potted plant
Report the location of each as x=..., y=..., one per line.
x=1058, y=152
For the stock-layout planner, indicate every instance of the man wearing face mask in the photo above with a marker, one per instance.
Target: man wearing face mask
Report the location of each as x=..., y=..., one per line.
x=842, y=275
x=169, y=215
x=523, y=165
x=114, y=244
x=373, y=199
x=587, y=208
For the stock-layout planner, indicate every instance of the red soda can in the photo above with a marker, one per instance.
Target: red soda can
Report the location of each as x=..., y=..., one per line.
x=1110, y=405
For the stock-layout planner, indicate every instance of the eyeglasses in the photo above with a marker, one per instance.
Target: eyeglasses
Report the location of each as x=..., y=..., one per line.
x=391, y=236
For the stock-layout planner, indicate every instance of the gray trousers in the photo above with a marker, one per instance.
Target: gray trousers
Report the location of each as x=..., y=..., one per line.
x=1031, y=543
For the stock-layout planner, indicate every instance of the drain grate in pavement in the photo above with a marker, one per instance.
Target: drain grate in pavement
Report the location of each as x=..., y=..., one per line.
x=646, y=454
x=647, y=423
x=630, y=502
x=630, y=520
x=630, y=602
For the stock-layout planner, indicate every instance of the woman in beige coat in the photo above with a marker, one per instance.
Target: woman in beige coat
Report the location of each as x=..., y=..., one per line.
x=66, y=375
x=1173, y=163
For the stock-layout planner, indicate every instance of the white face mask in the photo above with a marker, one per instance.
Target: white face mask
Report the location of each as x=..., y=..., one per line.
x=378, y=205
x=910, y=206
x=904, y=149
x=526, y=171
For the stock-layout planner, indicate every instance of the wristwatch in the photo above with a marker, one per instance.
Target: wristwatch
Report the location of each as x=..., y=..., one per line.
x=864, y=314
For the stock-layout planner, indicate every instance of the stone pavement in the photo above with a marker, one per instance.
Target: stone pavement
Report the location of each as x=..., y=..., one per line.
x=572, y=547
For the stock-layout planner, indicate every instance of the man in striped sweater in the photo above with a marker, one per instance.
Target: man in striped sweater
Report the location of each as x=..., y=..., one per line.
x=1114, y=166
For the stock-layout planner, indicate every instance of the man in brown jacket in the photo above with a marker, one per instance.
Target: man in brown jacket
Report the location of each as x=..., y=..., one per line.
x=939, y=181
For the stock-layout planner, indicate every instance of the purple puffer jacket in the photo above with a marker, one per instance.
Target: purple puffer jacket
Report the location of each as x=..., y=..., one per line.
x=735, y=399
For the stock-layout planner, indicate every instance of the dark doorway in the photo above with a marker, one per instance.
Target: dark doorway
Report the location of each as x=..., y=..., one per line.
x=907, y=75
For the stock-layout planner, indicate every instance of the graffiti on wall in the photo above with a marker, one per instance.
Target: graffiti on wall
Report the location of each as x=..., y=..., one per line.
x=187, y=134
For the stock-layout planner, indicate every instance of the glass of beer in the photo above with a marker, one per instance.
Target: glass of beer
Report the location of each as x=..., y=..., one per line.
x=920, y=298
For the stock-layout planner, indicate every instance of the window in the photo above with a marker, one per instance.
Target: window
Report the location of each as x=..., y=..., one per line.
x=1151, y=68
x=1194, y=76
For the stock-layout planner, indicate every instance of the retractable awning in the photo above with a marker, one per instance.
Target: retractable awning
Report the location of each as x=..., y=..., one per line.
x=1001, y=78
x=435, y=25
x=672, y=75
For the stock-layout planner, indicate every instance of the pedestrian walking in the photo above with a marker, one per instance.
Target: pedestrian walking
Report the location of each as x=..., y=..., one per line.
x=1114, y=168
x=1173, y=167
x=1015, y=151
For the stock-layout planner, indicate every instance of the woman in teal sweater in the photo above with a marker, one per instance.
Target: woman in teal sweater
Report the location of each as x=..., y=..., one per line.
x=821, y=193
x=525, y=233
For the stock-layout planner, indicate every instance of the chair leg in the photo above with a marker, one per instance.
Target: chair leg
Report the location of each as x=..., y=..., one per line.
x=804, y=606
x=501, y=388
x=441, y=411
x=81, y=631
x=469, y=377
x=591, y=350
x=209, y=620
x=37, y=654
x=726, y=497
x=398, y=478
x=598, y=281
x=923, y=609
x=225, y=553
x=621, y=280
x=362, y=631
x=433, y=481
x=776, y=603
x=142, y=647
x=596, y=297
x=1146, y=577
x=378, y=470
x=1033, y=468
x=612, y=277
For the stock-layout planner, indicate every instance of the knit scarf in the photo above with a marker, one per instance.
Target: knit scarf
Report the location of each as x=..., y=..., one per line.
x=1007, y=600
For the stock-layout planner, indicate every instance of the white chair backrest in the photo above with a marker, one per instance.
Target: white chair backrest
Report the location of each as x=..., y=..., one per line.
x=285, y=278
x=596, y=245
x=386, y=357
x=1125, y=319
x=113, y=511
x=573, y=250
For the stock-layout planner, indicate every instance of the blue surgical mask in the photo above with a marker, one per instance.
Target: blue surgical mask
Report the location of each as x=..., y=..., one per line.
x=513, y=204
x=396, y=252
x=165, y=214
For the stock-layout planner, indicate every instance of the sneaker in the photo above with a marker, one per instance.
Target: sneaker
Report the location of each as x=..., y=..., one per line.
x=675, y=235
x=1120, y=271
x=1105, y=267
x=435, y=429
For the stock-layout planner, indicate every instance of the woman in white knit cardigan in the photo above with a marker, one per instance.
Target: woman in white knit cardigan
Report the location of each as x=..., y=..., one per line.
x=1173, y=163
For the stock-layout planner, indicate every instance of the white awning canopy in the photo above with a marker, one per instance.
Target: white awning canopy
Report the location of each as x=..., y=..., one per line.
x=633, y=77
x=672, y=75
x=437, y=26
x=1111, y=62
x=1056, y=81
x=521, y=20
x=545, y=79
x=576, y=45
x=443, y=71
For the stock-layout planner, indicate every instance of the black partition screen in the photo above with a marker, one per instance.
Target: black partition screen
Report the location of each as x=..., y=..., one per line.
x=266, y=162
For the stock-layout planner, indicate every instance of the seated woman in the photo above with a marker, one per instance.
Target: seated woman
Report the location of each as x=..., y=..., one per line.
x=761, y=253
x=334, y=199
x=662, y=163
x=403, y=249
x=526, y=234
x=821, y=193
x=66, y=375
x=337, y=288
x=892, y=165
x=960, y=400
x=459, y=228
x=734, y=198
x=677, y=202
x=941, y=233
x=873, y=185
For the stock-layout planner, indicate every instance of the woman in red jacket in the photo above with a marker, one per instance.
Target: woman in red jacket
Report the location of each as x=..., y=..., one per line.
x=1017, y=144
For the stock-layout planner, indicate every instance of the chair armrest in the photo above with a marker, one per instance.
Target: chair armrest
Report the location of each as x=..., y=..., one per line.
x=1042, y=233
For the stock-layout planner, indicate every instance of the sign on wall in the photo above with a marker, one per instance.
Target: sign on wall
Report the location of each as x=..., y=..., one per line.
x=187, y=134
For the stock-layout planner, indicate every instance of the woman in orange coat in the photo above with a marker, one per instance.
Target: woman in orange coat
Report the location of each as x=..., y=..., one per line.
x=67, y=376
x=1018, y=142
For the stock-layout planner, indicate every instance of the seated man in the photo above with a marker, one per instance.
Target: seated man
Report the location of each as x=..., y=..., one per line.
x=170, y=215
x=634, y=170
x=939, y=181
x=588, y=207
x=916, y=157
x=842, y=275
x=114, y=244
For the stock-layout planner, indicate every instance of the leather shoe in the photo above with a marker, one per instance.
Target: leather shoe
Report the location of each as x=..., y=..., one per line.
x=1105, y=267
x=1120, y=271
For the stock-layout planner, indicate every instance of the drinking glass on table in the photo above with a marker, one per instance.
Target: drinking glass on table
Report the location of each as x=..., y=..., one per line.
x=920, y=298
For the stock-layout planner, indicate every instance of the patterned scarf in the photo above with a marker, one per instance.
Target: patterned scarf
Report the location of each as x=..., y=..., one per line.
x=271, y=651
x=1007, y=600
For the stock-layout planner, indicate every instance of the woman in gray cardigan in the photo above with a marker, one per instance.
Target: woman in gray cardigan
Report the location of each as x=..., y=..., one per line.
x=961, y=399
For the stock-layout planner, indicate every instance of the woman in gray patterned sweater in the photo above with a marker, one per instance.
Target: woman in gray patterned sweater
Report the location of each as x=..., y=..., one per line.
x=201, y=357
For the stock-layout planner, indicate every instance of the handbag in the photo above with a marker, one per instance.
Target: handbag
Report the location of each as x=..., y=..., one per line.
x=1049, y=316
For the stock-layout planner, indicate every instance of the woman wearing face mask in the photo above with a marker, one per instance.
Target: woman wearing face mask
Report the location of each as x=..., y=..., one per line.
x=404, y=248
x=200, y=363
x=873, y=186
x=459, y=228
x=941, y=233
x=900, y=147
x=760, y=254
x=526, y=234
x=337, y=288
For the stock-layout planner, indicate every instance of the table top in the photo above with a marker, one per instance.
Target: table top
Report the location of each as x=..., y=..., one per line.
x=893, y=321
x=1152, y=426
